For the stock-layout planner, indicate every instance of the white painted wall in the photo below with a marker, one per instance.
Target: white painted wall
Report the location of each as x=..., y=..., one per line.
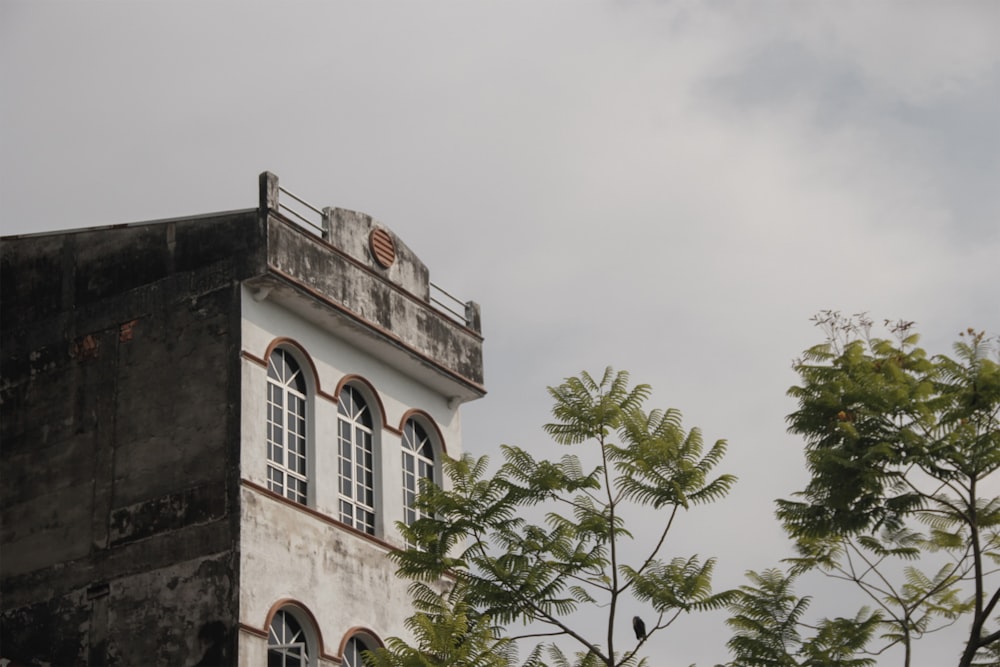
x=343, y=578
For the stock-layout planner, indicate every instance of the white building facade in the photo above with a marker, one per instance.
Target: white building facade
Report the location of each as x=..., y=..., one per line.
x=342, y=415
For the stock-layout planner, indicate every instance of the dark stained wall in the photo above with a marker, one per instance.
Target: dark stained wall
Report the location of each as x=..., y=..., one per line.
x=119, y=439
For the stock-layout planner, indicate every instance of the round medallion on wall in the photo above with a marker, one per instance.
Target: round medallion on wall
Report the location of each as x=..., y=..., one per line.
x=382, y=247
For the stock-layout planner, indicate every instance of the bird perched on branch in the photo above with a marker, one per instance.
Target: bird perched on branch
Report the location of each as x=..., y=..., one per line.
x=639, y=627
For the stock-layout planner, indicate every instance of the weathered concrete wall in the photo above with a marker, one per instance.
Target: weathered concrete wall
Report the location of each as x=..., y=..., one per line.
x=179, y=614
x=345, y=580
x=381, y=303
x=120, y=426
x=350, y=232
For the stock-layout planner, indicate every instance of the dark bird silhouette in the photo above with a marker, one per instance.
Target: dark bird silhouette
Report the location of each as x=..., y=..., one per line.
x=639, y=627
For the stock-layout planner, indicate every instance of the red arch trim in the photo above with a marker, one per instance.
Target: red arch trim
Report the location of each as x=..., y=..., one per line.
x=426, y=420
x=369, y=390
x=299, y=607
x=300, y=351
x=357, y=630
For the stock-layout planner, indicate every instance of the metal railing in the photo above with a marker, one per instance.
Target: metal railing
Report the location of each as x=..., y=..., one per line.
x=465, y=313
x=284, y=208
x=447, y=302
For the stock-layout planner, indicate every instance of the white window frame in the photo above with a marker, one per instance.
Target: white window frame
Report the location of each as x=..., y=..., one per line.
x=417, y=443
x=296, y=650
x=357, y=461
x=353, y=648
x=287, y=416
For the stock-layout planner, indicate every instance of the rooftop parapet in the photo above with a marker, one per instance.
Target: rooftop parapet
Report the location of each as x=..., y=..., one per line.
x=377, y=293
x=365, y=240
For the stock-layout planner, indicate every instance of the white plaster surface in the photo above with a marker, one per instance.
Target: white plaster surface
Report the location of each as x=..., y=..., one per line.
x=344, y=579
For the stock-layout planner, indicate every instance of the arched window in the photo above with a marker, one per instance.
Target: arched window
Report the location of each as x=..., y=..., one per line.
x=286, y=427
x=418, y=464
x=352, y=651
x=287, y=643
x=357, y=461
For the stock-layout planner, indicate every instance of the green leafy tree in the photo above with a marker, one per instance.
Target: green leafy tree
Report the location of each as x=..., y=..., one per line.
x=530, y=577
x=768, y=622
x=899, y=446
x=449, y=633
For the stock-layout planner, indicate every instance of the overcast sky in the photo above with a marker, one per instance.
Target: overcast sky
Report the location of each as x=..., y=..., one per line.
x=669, y=188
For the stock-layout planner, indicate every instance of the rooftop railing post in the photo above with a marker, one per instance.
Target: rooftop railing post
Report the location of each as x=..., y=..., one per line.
x=268, y=191
x=473, y=316
x=328, y=224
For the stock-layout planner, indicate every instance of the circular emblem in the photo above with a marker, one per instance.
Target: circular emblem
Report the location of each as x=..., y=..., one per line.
x=382, y=247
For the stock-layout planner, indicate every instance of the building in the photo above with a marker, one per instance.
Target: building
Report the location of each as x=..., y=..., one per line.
x=210, y=427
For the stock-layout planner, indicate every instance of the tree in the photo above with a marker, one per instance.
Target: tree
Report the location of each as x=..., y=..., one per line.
x=767, y=622
x=449, y=633
x=898, y=446
x=512, y=569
